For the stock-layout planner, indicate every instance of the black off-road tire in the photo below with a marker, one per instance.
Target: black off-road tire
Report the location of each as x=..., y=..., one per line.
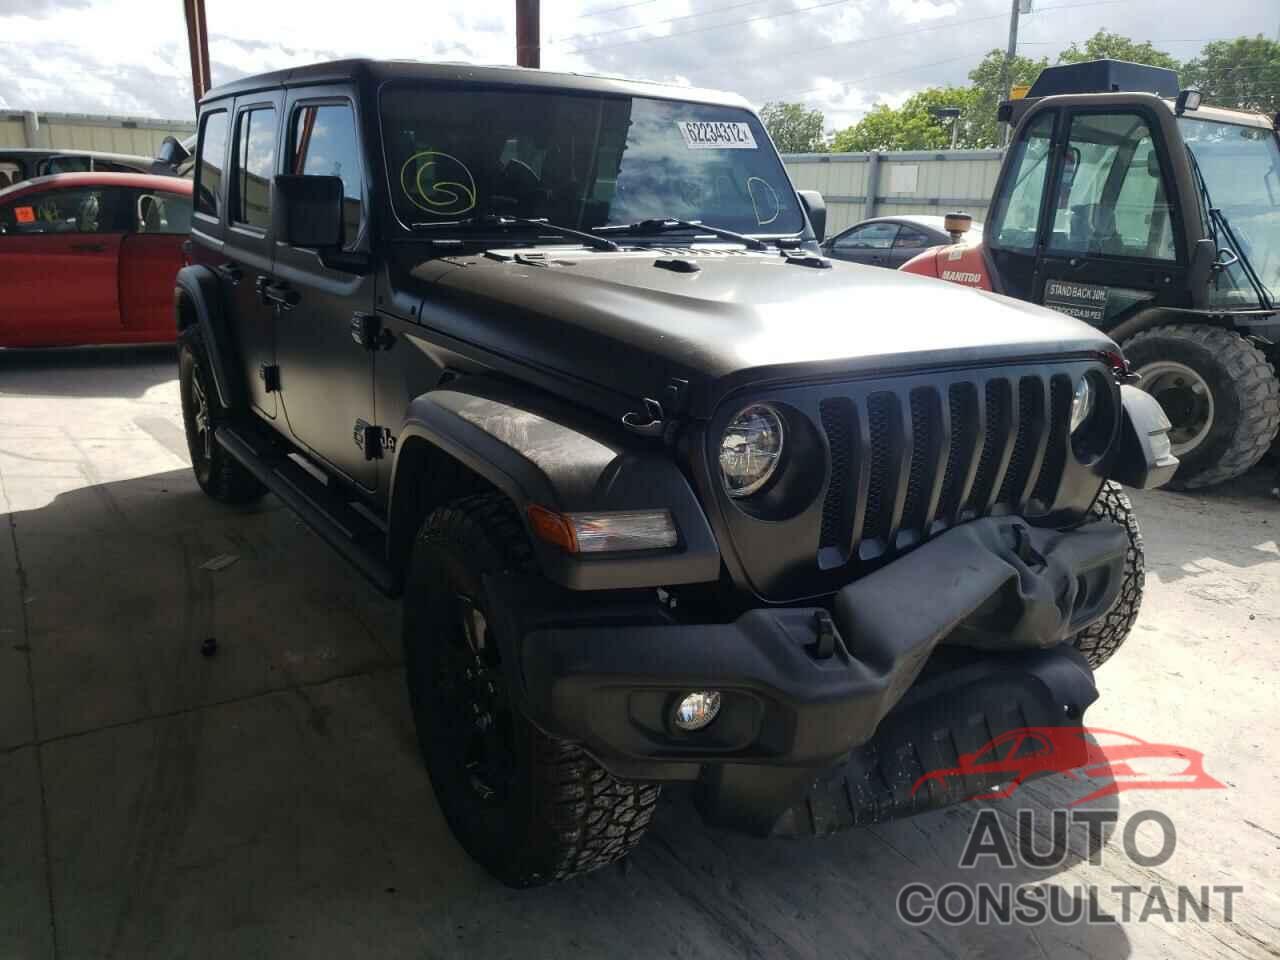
x=1245, y=391
x=219, y=474
x=1101, y=639
x=556, y=813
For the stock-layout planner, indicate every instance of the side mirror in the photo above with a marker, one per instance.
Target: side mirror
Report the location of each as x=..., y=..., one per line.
x=150, y=213
x=815, y=209
x=171, y=152
x=308, y=211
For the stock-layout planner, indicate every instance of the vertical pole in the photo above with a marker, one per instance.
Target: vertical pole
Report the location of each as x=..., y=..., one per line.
x=528, y=34
x=198, y=47
x=955, y=131
x=30, y=128
x=1007, y=65
x=873, y=185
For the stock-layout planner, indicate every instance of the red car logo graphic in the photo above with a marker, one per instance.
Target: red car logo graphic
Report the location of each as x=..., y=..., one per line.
x=1128, y=762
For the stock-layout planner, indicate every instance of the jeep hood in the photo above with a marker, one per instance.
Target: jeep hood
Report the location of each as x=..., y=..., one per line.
x=624, y=323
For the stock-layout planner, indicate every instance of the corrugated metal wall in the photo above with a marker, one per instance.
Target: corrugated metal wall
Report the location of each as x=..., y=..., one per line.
x=84, y=132
x=907, y=182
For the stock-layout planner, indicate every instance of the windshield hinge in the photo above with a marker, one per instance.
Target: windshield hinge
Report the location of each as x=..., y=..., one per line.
x=649, y=423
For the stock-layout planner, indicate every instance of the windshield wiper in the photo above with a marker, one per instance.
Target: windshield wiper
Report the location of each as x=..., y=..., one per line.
x=1218, y=221
x=541, y=223
x=667, y=225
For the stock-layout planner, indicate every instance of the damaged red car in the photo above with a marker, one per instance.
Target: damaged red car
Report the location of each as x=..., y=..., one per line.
x=90, y=258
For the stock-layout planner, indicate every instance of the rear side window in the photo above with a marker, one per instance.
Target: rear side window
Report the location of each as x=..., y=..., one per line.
x=10, y=173
x=874, y=236
x=213, y=152
x=255, y=164
x=65, y=165
x=324, y=143
x=909, y=238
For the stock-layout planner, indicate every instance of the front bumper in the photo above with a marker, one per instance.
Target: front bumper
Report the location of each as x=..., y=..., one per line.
x=804, y=688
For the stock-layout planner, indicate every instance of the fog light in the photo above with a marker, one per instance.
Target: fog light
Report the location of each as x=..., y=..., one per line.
x=697, y=709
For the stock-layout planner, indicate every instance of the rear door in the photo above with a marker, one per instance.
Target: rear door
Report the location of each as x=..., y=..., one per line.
x=59, y=256
x=249, y=241
x=1111, y=243
x=870, y=243
x=326, y=376
x=150, y=258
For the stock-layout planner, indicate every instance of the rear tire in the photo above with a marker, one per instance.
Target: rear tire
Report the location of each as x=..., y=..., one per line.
x=529, y=808
x=219, y=474
x=1219, y=392
x=1100, y=640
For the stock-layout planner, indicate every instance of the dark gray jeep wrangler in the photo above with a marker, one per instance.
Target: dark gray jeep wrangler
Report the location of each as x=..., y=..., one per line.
x=668, y=497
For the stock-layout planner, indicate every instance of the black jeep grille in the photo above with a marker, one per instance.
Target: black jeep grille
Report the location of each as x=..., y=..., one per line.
x=935, y=455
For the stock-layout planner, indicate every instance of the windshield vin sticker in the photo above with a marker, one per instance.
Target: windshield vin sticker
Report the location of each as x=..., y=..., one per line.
x=716, y=135
x=1084, y=301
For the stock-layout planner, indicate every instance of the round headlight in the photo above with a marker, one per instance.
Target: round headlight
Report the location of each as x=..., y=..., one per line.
x=1082, y=403
x=750, y=449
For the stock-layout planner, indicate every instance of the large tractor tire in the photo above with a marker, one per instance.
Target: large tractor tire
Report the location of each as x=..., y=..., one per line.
x=1100, y=640
x=1219, y=392
x=528, y=807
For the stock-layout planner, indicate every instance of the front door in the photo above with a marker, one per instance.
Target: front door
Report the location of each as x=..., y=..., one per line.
x=59, y=257
x=326, y=377
x=1110, y=246
x=150, y=258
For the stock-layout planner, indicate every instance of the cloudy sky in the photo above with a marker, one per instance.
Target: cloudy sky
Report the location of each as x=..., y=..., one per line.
x=130, y=56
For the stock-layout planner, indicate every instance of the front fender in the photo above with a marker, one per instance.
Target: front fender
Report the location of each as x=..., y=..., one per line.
x=200, y=285
x=537, y=451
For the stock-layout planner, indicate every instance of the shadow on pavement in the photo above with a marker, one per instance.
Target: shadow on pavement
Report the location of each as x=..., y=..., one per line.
x=270, y=800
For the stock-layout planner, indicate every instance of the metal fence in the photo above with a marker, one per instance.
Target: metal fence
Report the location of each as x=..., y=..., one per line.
x=79, y=131
x=861, y=185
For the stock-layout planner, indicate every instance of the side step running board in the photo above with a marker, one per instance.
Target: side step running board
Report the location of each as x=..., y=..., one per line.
x=321, y=508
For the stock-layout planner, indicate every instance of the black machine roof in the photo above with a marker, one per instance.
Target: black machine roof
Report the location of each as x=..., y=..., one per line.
x=1105, y=76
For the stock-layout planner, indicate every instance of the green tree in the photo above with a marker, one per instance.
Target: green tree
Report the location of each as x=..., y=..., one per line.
x=985, y=78
x=1243, y=73
x=912, y=126
x=793, y=128
x=1111, y=46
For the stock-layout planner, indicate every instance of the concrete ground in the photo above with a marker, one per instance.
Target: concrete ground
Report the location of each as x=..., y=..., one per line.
x=269, y=801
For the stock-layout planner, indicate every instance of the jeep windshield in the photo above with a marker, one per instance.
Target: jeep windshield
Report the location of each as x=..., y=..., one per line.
x=578, y=160
x=1240, y=167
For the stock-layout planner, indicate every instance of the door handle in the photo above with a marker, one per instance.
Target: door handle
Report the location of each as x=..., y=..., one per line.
x=88, y=247
x=230, y=272
x=277, y=294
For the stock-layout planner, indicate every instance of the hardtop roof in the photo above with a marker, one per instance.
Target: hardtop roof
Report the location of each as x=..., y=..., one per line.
x=378, y=71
